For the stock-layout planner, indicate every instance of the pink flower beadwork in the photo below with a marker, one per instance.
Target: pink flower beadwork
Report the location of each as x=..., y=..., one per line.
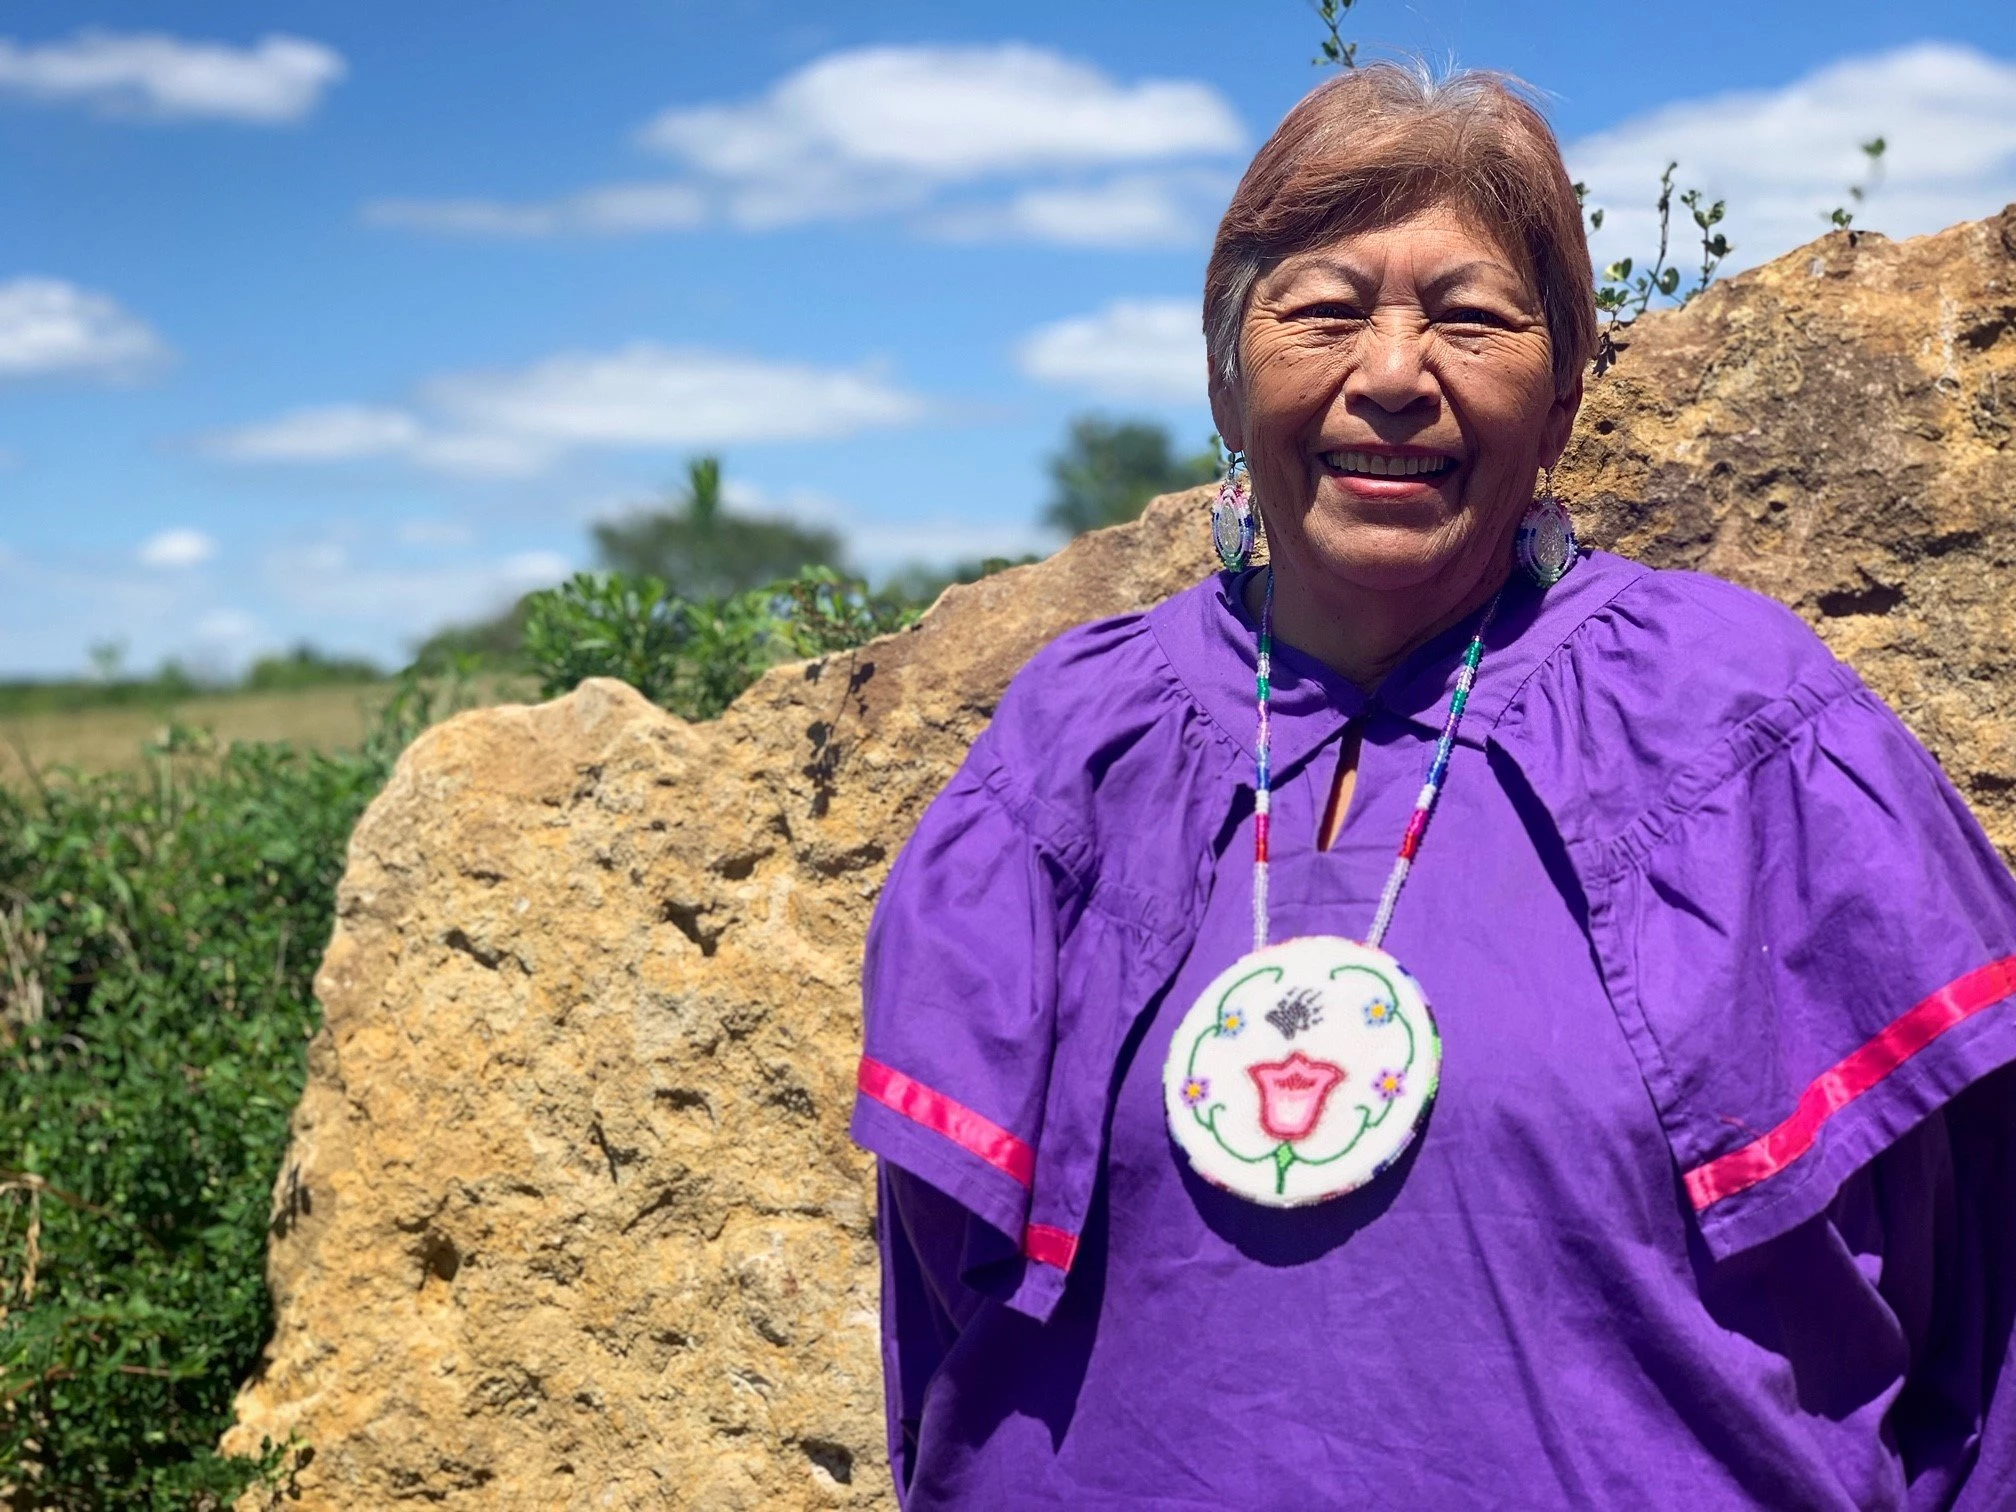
x=1292, y=1094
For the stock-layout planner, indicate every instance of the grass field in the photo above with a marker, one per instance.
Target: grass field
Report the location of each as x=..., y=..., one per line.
x=109, y=739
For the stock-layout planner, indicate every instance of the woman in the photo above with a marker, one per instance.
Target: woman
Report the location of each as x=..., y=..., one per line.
x=1660, y=1152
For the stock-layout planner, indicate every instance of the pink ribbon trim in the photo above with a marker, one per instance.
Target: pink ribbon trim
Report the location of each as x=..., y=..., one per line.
x=977, y=1136
x=941, y=1115
x=1848, y=1079
x=1050, y=1246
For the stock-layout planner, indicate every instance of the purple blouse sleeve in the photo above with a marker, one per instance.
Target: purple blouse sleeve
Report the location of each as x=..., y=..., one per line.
x=925, y=1305
x=1812, y=947
x=958, y=989
x=959, y=1003
x=1969, y=1368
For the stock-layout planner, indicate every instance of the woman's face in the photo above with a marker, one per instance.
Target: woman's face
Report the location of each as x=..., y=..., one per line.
x=1395, y=402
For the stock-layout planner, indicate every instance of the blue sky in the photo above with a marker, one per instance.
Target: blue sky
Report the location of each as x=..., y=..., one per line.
x=334, y=322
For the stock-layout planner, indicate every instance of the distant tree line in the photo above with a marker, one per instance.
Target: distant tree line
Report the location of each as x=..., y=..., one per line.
x=304, y=666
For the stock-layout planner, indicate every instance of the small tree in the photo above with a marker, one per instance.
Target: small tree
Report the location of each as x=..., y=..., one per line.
x=701, y=552
x=1841, y=217
x=1109, y=469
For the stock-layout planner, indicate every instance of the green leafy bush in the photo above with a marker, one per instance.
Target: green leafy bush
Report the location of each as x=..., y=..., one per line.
x=694, y=656
x=158, y=935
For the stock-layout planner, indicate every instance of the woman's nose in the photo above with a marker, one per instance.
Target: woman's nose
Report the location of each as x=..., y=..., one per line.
x=1391, y=370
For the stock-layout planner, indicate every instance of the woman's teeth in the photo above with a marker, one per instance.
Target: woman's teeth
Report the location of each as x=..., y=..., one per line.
x=1374, y=465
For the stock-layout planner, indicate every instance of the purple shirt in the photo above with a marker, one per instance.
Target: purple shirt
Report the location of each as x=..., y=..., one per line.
x=1710, y=1211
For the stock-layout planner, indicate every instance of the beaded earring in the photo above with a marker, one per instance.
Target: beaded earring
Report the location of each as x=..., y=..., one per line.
x=1232, y=515
x=1546, y=545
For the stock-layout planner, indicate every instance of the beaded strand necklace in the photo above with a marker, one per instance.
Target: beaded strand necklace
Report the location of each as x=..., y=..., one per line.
x=1306, y=1067
x=1424, y=805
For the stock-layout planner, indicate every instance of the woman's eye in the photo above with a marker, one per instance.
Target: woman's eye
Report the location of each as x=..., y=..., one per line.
x=1332, y=309
x=1472, y=316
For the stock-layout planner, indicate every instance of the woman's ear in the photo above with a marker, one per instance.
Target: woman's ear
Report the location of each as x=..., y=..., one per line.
x=1227, y=413
x=1559, y=424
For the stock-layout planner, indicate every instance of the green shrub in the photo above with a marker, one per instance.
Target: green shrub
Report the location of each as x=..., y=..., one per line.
x=691, y=656
x=158, y=935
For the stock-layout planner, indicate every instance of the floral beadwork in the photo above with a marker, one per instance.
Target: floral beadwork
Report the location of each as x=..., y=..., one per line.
x=1272, y=1119
x=1305, y=1126
x=1292, y=1094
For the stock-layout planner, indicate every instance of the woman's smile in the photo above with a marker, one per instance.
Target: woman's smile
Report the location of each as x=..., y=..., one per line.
x=1376, y=473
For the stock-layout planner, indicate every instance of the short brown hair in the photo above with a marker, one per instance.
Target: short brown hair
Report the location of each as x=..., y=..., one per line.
x=1381, y=143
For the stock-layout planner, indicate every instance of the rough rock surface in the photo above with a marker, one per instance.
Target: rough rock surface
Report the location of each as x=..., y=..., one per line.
x=570, y=1218
x=1835, y=429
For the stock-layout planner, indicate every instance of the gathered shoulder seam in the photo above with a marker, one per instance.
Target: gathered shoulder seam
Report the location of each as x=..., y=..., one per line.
x=1749, y=743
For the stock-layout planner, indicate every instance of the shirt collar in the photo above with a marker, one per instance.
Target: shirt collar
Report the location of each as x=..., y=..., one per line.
x=1212, y=644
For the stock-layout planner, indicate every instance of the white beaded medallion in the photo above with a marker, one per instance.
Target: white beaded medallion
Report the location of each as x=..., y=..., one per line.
x=1302, y=1071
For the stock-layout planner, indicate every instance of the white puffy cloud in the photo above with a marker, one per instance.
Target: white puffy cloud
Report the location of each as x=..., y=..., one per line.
x=321, y=433
x=151, y=74
x=50, y=328
x=882, y=130
x=516, y=421
x=649, y=395
x=1143, y=349
x=610, y=210
x=880, y=125
x=179, y=547
x=1783, y=158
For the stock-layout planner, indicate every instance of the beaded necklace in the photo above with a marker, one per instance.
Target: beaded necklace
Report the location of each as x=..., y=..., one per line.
x=1355, y=1056
x=1424, y=805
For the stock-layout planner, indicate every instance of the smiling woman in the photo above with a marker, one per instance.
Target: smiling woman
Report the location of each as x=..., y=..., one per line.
x=1395, y=398
x=1643, y=1136
x=1424, y=264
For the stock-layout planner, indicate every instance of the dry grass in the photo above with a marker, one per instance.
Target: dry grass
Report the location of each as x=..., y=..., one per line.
x=100, y=740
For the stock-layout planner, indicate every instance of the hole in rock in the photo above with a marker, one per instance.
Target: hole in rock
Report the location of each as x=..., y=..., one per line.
x=685, y=917
x=439, y=1257
x=684, y=1099
x=837, y=1460
x=486, y=956
x=1877, y=598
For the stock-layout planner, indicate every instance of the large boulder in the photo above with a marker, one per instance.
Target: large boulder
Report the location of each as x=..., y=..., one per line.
x=1833, y=429
x=570, y=1218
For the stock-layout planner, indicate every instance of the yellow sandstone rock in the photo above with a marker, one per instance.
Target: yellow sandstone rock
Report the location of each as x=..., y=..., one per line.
x=570, y=1218
x=1835, y=429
